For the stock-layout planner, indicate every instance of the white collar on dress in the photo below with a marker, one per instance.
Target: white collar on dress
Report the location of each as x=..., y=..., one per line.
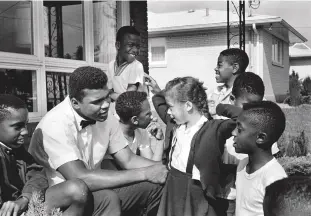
x=77, y=117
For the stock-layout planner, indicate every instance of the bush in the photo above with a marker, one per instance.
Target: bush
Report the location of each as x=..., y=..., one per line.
x=36, y=207
x=294, y=89
x=296, y=166
x=297, y=146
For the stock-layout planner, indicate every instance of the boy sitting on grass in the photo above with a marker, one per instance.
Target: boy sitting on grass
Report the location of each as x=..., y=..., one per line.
x=288, y=197
x=20, y=176
x=259, y=125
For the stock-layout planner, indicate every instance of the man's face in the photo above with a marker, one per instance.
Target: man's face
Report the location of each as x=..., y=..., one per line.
x=95, y=104
x=13, y=128
x=245, y=135
x=177, y=110
x=224, y=70
x=128, y=48
x=145, y=116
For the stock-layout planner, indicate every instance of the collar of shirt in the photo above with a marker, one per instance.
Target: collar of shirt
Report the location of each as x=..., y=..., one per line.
x=78, y=118
x=223, y=89
x=5, y=147
x=119, y=69
x=194, y=127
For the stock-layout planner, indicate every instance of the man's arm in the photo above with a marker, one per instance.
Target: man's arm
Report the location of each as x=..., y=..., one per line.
x=102, y=179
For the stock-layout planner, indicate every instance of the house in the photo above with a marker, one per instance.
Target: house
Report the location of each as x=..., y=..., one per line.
x=42, y=42
x=189, y=42
x=300, y=60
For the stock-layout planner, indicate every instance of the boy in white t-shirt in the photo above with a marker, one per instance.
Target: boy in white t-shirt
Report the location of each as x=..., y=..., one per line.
x=248, y=87
x=259, y=125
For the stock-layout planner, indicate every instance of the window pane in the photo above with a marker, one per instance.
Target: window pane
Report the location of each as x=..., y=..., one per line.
x=56, y=88
x=104, y=18
x=157, y=53
x=63, y=29
x=16, y=27
x=22, y=83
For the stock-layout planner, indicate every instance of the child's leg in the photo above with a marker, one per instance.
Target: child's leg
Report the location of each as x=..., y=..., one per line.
x=71, y=196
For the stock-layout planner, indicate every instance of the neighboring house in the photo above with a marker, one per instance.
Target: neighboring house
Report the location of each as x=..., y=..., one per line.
x=300, y=60
x=189, y=42
x=42, y=42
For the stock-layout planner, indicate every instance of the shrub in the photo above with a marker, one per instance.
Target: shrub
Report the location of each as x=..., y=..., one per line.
x=306, y=86
x=36, y=207
x=296, y=166
x=297, y=146
x=294, y=89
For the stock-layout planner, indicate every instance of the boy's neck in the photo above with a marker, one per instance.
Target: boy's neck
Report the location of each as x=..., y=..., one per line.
x=258, y=159
x=193, y=119
x=119, y=60
x=230, y=82
x=128, y=129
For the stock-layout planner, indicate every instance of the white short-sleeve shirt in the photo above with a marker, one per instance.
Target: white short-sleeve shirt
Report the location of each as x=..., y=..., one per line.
x=128, y=73
x=251, y=187
x=64, y=140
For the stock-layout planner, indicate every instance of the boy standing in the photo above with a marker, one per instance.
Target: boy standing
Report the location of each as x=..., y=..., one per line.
x=230, y=64
x=20, y=176
x=258, y=126
x=125, y=72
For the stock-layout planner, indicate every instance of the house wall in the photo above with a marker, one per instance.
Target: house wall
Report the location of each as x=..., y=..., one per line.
x=194, y=55
x=275, y=77
x=300, y=65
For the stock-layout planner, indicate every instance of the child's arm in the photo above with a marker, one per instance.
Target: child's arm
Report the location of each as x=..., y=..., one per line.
x=228, y=110
x=161, y=107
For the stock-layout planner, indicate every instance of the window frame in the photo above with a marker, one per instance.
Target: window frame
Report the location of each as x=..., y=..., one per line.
x=157, y=42
x=276, y=55
x=41, y=64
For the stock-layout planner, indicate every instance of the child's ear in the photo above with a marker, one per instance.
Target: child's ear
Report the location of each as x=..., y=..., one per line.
x=134, y=120
x=236, y=68
x=117, y=45
x=189, y=106
x=262, y=139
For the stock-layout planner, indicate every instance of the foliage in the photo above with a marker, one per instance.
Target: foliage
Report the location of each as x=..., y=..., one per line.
x=306, y=86
x=294, y=89
x=36, y=207
x=298, y=166
x=297, y=145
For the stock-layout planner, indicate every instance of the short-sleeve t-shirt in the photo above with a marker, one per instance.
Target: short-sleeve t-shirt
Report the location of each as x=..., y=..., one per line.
x=251, y=187
x=128, y=73
x=59, y=139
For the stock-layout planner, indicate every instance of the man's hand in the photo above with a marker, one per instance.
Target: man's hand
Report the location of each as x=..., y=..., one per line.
x=14, y=207
x=149, y=81
x=155, y=130
x=156, y=173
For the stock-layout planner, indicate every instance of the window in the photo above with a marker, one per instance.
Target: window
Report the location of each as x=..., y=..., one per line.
x=63, y=29
x=21, y=83
x=157, y=52
x=277, y=51
x=16, y=27
x=42, y=42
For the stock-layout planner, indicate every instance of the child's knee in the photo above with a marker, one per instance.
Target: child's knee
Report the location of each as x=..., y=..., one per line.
x=78, y=191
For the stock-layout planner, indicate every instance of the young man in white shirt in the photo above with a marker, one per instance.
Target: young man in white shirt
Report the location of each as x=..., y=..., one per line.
x=125, y=73
x=72, y=139
x=258, y=126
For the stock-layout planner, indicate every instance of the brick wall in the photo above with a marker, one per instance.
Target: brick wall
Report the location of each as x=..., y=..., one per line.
x=138, y=13
x=275, y=77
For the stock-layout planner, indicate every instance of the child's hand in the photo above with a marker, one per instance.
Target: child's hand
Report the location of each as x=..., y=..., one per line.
x=149, y=81
x=14, y=207
x=155, y=130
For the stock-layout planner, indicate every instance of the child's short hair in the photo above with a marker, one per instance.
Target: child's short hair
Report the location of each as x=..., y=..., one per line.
x=86, y=78
x=267, y=117
x=9, y=101
x=128, y=104
x=188, y=89
x=236, y=55
x=289, y=195
x=248, y=83
x=126, y=30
